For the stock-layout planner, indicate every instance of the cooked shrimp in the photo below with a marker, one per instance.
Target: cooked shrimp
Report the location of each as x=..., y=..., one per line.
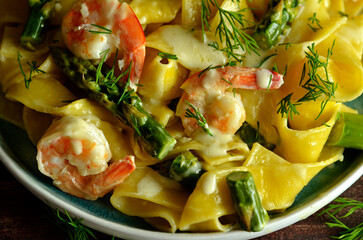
x=75, y=154
x=92, y=27
x=223, y=111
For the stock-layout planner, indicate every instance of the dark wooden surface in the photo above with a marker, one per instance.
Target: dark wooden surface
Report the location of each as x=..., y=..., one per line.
x=22, y=216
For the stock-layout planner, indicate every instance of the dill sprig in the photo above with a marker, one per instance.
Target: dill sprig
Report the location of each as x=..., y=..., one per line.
x=201, y=121
x=265, y=59
x=72, y=227
x=230, y=30
x=314, y=20
x=33, y=68
x=103, y=30
x=168, y=55
x=316, y=85
x=288, y=108
x=348, y=233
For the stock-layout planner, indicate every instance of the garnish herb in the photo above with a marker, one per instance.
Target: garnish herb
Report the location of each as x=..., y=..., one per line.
x=348, y=233
x=287, y=107
x=229, y=30
x=99, y=67
x=286, y=44
x=316, y=21
x=201, y=121
x=72, y=227
x=316, y=85
x=265, y=59
x=105, y=30
x=167, y=55
x=33, y=68
x=343, y=14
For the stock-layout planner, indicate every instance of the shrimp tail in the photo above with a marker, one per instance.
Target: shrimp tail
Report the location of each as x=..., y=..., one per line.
x=92, y=187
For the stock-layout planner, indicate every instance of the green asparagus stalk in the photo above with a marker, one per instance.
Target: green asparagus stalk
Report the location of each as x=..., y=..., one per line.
x=246, y=200
x=276, y=22
x=33, y=33
x=250, y=135
x=115, y=96
x=186, y=169
x=347, y=131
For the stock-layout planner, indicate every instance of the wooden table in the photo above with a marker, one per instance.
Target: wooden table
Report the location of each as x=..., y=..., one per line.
x=22, y=216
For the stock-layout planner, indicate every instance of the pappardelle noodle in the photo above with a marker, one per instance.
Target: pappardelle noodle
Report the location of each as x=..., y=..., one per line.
x=183, y=109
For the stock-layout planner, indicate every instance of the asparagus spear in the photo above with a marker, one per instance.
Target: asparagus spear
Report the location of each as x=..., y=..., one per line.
x=33, y=33
x=275, y=22
x=115, y=96
x=250, y=135
x=251, y=215
x=347, y=131
x=186, y=169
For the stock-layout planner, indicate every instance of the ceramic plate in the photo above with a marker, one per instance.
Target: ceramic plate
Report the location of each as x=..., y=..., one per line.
x=18, y=155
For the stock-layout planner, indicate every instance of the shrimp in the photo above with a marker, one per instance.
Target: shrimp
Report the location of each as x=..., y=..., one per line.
x=223, y=111
x=93, y=27
x=75, y=154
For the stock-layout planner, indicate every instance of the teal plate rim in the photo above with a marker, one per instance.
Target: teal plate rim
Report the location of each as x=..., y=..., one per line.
x=18, y=156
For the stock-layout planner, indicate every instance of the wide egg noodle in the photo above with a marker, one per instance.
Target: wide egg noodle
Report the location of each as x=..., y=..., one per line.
x=161, y=77
x=305, y=143
x=155, y=11
x=147, y=194
x=187, y=45
x=197, y=214
x=279, y=181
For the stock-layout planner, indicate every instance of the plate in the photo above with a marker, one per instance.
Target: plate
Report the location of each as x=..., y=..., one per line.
x=18, y=155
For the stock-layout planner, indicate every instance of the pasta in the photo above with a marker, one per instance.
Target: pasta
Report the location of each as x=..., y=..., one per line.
x=183, y=73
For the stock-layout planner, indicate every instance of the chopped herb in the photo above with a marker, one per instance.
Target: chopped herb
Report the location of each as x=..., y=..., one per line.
x=286, y=44
x=201, y=121
x=33, y=68
x=167, y=55
x=348, y=233
x=226, y=81
x=315, y=84
x=265, y=59
x=343, y=14
x=99, y=67
x=230, y=30
x=72, y=227
x=287, y=107
x=105, y=30
x=316, y=21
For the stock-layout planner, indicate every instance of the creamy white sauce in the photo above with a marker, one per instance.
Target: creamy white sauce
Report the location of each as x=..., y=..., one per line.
x=192, y=52
x=148, y=186
x=263, y=78
x=84, y=10
x=209, y=185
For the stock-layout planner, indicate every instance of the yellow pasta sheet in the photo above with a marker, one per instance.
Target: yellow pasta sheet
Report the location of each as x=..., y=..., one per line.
x=147, y=194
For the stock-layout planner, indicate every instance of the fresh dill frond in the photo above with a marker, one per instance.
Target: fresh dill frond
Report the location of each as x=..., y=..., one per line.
x=99, y=67
x=348, y=233
x=343, y=14
x=287, y=45
x=105, y=30
x=201, y=121
x=265, y=59
x=168, y=55
x=33, y=68
x=287, y=107
x=72, y=227
x=317, y=85
x=230, y=30
x=314, y=20
x=127, y=93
